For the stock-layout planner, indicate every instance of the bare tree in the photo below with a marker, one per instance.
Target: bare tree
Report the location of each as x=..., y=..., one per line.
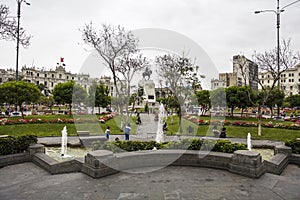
x=267, y=63
x=8, y=28
x=178, y=72
x=127, y=67
x=116, y=47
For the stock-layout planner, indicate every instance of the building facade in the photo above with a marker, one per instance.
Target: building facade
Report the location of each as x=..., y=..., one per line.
x=49, y=78
x=245, y=73
x=289, y=80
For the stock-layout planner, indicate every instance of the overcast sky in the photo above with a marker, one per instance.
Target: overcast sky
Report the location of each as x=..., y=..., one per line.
x=223, y=28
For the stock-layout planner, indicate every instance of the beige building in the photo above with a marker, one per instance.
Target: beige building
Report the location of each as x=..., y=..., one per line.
x=245, y=73
x=289, y=80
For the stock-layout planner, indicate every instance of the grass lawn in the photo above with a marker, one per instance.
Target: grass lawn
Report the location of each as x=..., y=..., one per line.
x=45, y=129
x=234, y=131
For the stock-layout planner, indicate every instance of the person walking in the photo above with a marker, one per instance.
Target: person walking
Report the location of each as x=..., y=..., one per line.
x=107, y=132
x=127, y=131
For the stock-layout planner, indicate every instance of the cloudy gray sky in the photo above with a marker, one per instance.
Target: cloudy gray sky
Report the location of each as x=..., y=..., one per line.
x=223, y=28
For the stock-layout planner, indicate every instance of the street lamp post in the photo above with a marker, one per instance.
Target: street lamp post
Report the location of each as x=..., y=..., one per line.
x=277, y=12
x=19, y=2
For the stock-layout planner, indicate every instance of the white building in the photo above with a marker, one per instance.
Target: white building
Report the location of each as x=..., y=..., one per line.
x=49, y=78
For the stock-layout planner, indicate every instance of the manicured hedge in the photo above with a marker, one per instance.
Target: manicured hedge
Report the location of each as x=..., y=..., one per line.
x=189, y=144
x=12, y=145
x=294, y=144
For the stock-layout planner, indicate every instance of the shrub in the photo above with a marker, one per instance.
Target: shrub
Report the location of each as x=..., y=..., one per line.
x=189, y=144
x=121, y=146
x=12, y=145
x=226, y=146
x=294, y=144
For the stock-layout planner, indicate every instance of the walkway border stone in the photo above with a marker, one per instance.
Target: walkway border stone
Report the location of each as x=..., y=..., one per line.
x=102, y=163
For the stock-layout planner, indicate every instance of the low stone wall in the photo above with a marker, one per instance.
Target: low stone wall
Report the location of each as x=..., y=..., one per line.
x=14, y=159
x=215, y=160
x=21, y=157
x=53, y=166
x=280, y=160
x=102, y=163
x=295, y=159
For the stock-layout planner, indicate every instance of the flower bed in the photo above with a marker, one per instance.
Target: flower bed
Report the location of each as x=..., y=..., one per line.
x=270, y=124
x=6, y=121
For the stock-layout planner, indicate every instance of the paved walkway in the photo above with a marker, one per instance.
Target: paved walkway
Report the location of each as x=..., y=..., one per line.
x=27, y=181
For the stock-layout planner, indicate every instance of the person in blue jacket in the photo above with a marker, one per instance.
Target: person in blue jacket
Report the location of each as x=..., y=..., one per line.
x=127, y=131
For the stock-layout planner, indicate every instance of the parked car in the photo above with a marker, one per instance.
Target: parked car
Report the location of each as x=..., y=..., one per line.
x=280, y=118
x=15, y=114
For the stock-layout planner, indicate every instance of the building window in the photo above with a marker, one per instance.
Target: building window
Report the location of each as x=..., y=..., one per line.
x=72, y=78
x=37, y=82
x=292, y=80
x=67, y=77
x=0, y=80
x=268, y=81
x=60, y=75
x=37, y=74
x=45, y=83
x=262, y=76
x=292, y=75
x=45, y=75
x=52, y=84
x=291, y=87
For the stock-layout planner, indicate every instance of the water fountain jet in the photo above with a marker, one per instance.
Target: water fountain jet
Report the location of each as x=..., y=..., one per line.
x=249, y=146
x=64, y=141
x=160, y=131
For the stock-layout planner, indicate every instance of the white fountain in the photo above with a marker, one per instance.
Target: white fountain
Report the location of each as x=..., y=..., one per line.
x=160, y=131
x=64, y=141
x=249, y=146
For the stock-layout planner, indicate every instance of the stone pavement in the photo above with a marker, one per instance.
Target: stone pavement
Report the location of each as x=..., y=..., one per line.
x=27, y=181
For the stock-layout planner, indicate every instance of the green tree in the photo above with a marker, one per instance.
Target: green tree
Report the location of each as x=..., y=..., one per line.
x=203, y=98
x=293, y=100
x=102, y=98
x=98, y=95
x=19, y=92
x=276, y=97
x=244, y=95
x=68, y=93
x=232, y=98
x=218, y=98
x=47, y=101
